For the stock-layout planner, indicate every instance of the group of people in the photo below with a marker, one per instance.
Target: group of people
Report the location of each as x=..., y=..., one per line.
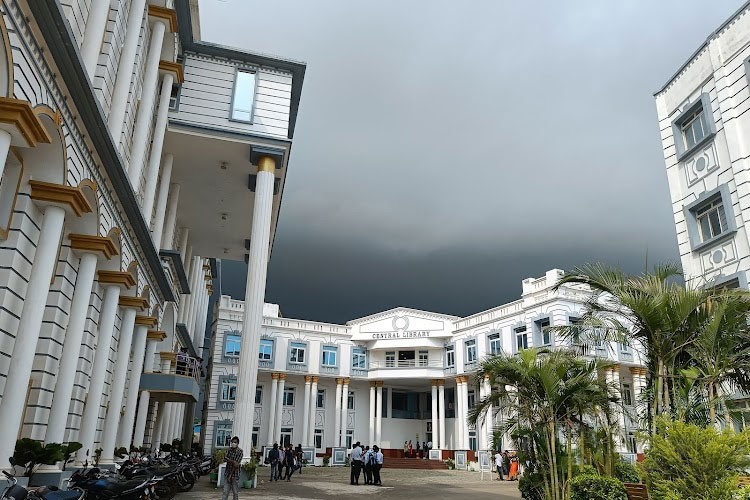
x=284, y=459
x=369, y=460
x=188, y=365
x=419, y=452
x=506, y=465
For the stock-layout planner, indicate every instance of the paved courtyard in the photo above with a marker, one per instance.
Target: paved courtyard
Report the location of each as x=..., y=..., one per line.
x=331, y=482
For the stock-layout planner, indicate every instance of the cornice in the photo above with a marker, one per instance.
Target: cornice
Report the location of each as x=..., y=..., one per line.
x=59, y=194
x=18, y=118
x=122, y=278
x=94, y=244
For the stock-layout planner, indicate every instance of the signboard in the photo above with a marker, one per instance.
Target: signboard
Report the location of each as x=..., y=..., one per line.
x=485, y=461
x=401, y=335
x=308, y=453
x=460, y=459
x=339, y=456
x=435, y=454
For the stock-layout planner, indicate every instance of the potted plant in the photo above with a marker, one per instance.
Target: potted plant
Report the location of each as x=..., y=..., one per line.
x=97, y=456
x=218, y=459
x=249, y=469
x=68, y=451
x=326, y=460
x=30, y=454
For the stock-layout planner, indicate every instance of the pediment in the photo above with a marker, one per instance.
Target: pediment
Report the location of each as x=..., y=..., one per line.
x=402, y=323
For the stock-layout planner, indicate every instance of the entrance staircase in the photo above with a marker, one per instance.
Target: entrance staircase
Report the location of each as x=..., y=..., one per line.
x=414, y=463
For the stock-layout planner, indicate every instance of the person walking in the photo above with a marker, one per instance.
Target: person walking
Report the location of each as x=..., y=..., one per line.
x=378, y=465
x=411, y=449
x=273, y=461
x=513, y=474
x=369, y=460
x=289, y=462
x=499, y=465
x=356, y=463
x=299, y=456
x=232, y=458
x=506, y=464
x=406, y=449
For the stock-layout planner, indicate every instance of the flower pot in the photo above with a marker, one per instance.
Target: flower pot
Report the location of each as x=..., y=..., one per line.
x=247, y=484
x=213, y=477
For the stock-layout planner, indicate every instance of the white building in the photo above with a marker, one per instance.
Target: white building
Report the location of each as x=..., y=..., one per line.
x=705, y=131
x=396, y=375
x=130, y=153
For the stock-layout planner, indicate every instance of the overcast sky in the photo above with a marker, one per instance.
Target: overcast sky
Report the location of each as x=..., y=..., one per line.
x=446, y=150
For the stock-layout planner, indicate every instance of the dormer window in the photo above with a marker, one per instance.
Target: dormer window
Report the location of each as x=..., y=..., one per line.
x=243, y=98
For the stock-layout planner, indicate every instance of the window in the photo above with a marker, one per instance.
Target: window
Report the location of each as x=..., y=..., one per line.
x=693, y=127
x=174, y=97
x=256, y=430
x=384, y=402
x=223, y=434
x=265, y=353
x=711, y=219
x=243, y=98
x=390, y=359
x=288, y=396
x=350, y=401
x=473, y=440
x=625, y=349
x=349, y=438
x=627, y=395
x=423, y=358
x=320, y=400
x=472, y=399
x=631, y=443
x=359, y=359
x=495, y=344
x=228, y=388
x=232, y=345
x=471, y=351
x=522, y=338
x=318, y=438
x=450, y=355
x=329, y=355
x=258, y=394
x=545, y=336
x=297, y=352
x=286, y=436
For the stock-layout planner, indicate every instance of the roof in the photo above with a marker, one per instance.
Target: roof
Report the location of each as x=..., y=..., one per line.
x=407, y=309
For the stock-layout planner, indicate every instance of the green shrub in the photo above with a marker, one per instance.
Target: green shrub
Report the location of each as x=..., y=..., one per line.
x=687, y=462
x=531, y=485
x=595, y=487
x=742, y=494
x=627, y=472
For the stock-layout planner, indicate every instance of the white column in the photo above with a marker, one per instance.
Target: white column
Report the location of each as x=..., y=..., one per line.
x=5, y=139
x=161, y=201
x=279, y=405
x=184, y=233
x=200, y=327
x=337, y=415
x=465, y=423
x=158, y=422
x=313, y=404
x=187, y=318
x=255, y=291
x=66, y=370
x=116, y=118
x=460, y=412
x=117, y=389
x=271, y=409
x=164, y=435
x=435, y=441
x=306, y=411
x=379, y=413
x=93, y=35
x=146, y=107
x=134, y=382
x=441, y=415
x=140, y=420
x=371, y=420
x=98, y=374
x=13, y=405
x=344, y=409
x=171, y=217
x=157, y=143
x=179, y=419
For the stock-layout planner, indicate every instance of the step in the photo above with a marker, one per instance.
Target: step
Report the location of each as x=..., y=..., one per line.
x=413, y=463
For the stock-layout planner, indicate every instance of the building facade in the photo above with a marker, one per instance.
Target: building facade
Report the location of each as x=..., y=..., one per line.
x=391, y=377
x=703, y=121
x=131, y=152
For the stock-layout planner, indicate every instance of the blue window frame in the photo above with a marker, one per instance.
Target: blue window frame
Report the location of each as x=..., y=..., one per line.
x=265, y=351
x=330, y=353
x=297, y=352
x=471, y=351
x=228, y=388
x=450, y=355
x=232, y=344
x=693, y=127
x=359, y=358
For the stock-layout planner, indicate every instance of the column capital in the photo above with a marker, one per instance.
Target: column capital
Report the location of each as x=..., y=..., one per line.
x=379, y=383
x=274, y=376
x=168, y=355
x=614, y=368
x=157, y=335
x=121, y=278
x=68, y=197
x=373, y=384
x=440, y=382
x=139, y=303
x=149, y=321
x=17, y=117
x=315, y=379
x=282, y=376
x=308, y=379
x=638, y=370
x=172, y=68
x=345, y=381
x=93, y=244
x=165, y=15
x=339, y=381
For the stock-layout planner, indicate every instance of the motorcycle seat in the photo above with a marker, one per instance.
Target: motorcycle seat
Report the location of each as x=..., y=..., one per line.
x=118, y=486
x=62, y=495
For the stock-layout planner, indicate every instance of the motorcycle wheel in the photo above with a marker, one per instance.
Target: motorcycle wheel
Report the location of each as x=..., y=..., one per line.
x=165, y=491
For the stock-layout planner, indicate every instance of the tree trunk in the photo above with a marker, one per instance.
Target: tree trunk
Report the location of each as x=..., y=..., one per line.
x=569, y=445
x=711, y=405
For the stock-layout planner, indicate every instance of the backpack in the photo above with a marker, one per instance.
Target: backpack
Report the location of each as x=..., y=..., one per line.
x=371, y=461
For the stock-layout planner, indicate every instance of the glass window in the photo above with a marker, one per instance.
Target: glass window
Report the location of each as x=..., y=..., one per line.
x=546, y=335
x=627, y=395
x=423, y=358
x=232, y=345
x=244, y=96
x=495, y=344
x=350, y=401
x=694, y=128
x=631, y=443
x=472, y=399
x=522, y=338
x=265, y=353
x=228, y=388
x=320, y=401
x=349, y=438
x=258, y=394
x=174, y=97
x=288, y=396
x=359, y=359
x=711, y=219
x=471, y=350
x=390, y=359
x=223, y=434
x=450, y=355
x=256, y=430
x=286, y=436
x=297, y=352
x=329, y=355
x=473, y=440
x=318, y=438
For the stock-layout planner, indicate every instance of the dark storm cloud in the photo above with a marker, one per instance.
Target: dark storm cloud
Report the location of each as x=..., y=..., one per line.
x=446, y=150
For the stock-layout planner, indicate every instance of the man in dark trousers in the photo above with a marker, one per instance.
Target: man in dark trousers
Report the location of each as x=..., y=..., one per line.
x=233, y=458
x=273, y=460
x=356, y=462
x=289, y=462
x=299, y=455
x=378, y=465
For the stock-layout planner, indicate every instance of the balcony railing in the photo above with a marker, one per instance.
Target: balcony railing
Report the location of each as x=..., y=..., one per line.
x=405, y=363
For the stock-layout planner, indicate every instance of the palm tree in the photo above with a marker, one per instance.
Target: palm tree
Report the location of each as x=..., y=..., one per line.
x=550, y=392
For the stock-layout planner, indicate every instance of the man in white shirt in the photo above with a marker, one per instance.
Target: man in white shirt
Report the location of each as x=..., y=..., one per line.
x=356, y=463
x=499, y=464
x=378, y=465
